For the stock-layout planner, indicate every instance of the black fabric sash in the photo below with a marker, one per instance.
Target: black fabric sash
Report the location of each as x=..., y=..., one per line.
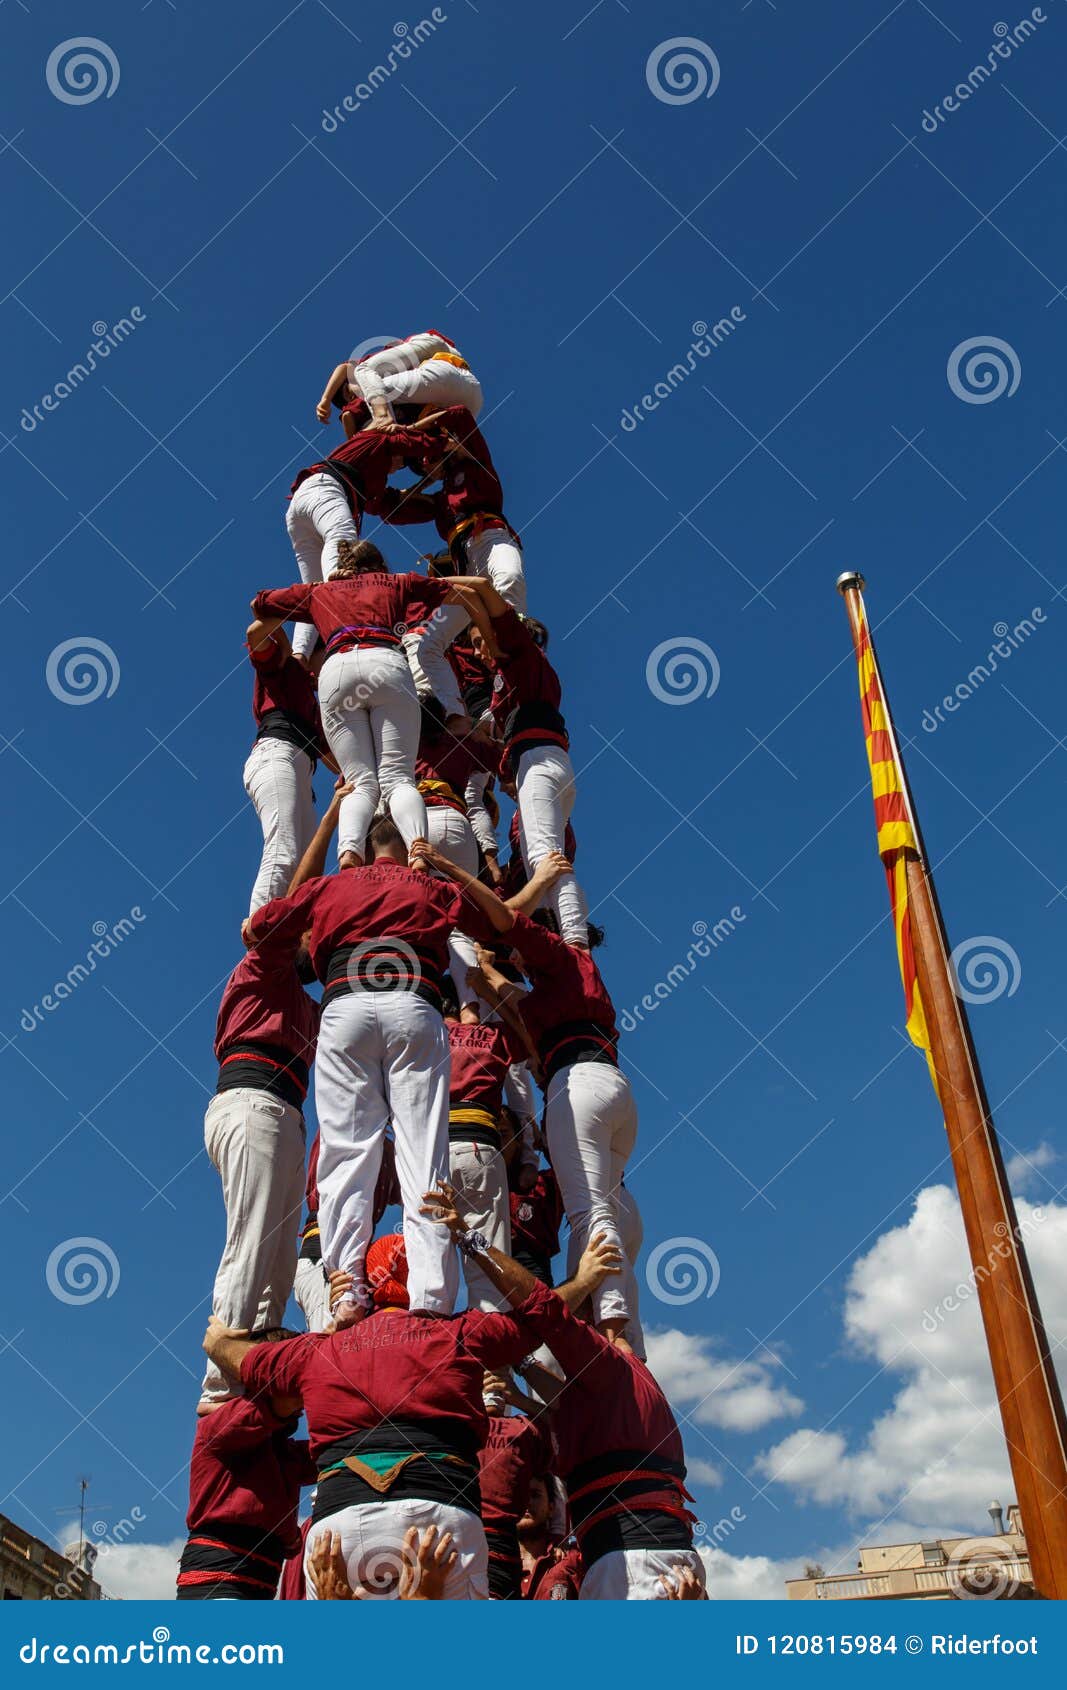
x=255, y=1065
x=576, y=1041
x=282, y=724
x=384, y=965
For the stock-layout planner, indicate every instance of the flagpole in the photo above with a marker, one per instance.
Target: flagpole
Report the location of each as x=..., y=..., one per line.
x=1028, y=1392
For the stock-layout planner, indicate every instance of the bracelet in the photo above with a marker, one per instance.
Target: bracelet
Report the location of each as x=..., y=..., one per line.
x=473, y=1244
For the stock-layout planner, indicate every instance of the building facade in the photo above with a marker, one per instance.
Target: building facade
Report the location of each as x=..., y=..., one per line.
x=996, y=1568
x=32, y=1571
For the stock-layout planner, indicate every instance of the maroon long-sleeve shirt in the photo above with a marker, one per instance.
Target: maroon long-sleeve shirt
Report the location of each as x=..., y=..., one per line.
x=526, y=691
x=364, y=463
x=267, y=1026
x=481, y=1056
x=567, y=1009
x=360, y=610
x=396, y=1367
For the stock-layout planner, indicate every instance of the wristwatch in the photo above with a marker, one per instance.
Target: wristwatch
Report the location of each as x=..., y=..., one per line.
x=473, y=1244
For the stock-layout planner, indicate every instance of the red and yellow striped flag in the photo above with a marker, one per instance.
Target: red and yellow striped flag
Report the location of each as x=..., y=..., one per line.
x=896, y=836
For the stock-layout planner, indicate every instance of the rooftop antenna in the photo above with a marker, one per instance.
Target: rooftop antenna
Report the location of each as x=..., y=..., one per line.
x=80, y=1559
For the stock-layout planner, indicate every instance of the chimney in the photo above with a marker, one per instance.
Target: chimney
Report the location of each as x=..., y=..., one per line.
x=996, y=1514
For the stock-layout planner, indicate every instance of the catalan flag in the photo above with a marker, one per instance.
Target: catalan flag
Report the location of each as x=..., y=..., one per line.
x=896, y=835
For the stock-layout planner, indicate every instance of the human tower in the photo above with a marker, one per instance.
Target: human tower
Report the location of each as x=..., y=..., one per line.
x=520, y=1449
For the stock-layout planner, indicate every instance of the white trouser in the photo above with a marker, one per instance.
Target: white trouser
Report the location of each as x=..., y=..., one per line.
x=632, y=1575
x=257, y=1145
x=370, y=712
x=481, y=1180
x=312, y=1292
x=477, y=813
x=277, y=778
x=545, y=791
x=384, y=1056
x=372, y=1543
x=451, y=833
x=497, y=557
x=632, y=1234
x=434, y=382
x=591, y=1125
x=318, y=516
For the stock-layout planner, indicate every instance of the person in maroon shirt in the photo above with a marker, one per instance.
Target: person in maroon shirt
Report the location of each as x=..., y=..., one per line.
x=549, y=1571
x=281, y=763
x=481, y=1053
x=370, y=709
x=378, y=940
x=516, y=1448
x=618, y=1448
x=536, y=755
x=328, y=498
x=265, y=1039
x=245, y=1476
x=469, y=513
x=590, y=1114
x=443, y=768
x=396, y=1419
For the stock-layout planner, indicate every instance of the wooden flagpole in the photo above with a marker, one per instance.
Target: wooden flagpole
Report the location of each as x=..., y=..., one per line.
x=1028, y=1391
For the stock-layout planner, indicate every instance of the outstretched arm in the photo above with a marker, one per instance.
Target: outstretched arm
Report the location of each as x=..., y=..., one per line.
x=227, y=1346
x=599, y=1259
x=544, y=877
x=334, y=385
x=482, y=897
x=313, y=862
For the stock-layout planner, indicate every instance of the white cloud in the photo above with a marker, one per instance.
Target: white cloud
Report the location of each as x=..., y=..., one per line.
x=140, y=1572
x=701, y=1472
x=1025, y=1170
x=738, y=1396
x=912, y=1308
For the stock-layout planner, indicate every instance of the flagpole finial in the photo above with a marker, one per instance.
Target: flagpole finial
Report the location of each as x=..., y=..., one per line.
x=851, y=578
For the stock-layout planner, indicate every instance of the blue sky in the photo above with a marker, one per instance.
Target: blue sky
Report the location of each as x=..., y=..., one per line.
x=530, y=194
